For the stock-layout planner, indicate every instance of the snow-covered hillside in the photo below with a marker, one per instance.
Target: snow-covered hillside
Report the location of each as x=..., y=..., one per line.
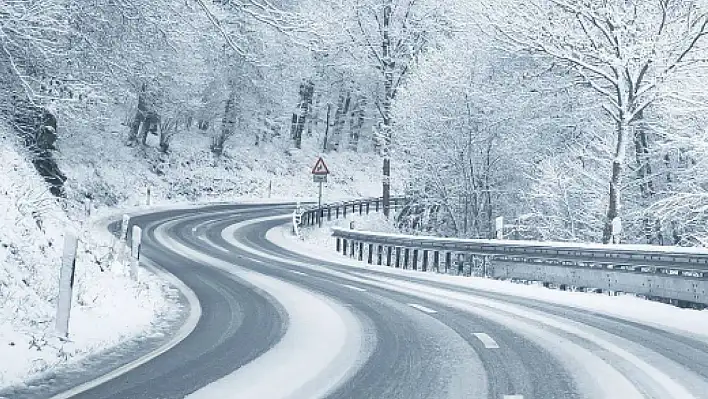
x=102, y=167
x=32, y=225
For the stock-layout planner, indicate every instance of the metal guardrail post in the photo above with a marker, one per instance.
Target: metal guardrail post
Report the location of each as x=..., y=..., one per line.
x=361, y=251
x=339, y=244
x=344, y=246
x=388, y=250
x=370, y=257
x=415, y=259
x=379, y=255
x=398, y=257
x=448, y=262
x=425, y=260
x=406, y=258
x=377, y=205
x=329, y=213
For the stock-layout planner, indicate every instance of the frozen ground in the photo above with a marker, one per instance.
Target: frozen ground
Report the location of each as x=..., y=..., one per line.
x=320, y=244
x=107, y=307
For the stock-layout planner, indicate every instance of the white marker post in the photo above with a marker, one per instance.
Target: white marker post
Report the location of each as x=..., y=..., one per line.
x=499, y=227
x=123, y=239
x=616, y=230
x=135, y=251
x=148, y=193
x=66, y=284
x=124, y=228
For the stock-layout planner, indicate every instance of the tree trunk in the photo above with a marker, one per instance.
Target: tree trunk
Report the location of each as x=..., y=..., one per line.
x=340, y=119
x=615, y=180
x=326, y=133
x=388, y=70
x=139, y=118
x=228, y=123
x=300, y=116
x=357, y=123
x=641, y=147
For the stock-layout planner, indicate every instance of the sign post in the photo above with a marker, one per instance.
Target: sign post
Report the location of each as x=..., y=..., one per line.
x=319, y=175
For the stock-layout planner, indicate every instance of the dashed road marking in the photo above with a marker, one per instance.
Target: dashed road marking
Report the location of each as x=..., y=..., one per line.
x=298, y=273
x=490, y=343
x=351, y=287
x=513, y=397
x=422, y=308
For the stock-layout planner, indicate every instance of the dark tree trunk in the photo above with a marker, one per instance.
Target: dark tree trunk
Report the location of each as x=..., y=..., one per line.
x=302, y=113
x=228, y=124
x=357, y=123
x=340, y=119
x=641, y=146
x=326, y=133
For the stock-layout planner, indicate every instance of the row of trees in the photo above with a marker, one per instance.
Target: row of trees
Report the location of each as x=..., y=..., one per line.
x=560, y=115
x=537, y=121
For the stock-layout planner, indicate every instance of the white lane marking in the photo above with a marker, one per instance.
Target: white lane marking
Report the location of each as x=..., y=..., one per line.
x=351, y=287
x=224, y=250
x=513, y=397
x=489, y=343
x=298, y=273
x=422, y=308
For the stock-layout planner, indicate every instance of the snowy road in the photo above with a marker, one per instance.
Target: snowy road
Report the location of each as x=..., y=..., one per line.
x=278, y=324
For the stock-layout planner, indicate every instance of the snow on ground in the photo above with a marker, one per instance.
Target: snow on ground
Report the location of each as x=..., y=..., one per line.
x=102, y=167
x=107, y=306
x=320, y=244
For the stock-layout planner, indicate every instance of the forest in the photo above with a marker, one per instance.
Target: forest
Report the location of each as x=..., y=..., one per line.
x=562, y=116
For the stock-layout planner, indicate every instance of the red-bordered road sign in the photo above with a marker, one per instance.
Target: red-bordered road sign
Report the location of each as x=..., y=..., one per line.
x=320, y=168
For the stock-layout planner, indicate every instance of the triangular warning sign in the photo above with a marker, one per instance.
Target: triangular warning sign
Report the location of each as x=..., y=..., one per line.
x=320, y=168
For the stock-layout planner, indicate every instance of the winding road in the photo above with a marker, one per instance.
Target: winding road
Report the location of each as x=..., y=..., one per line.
x=274, y=323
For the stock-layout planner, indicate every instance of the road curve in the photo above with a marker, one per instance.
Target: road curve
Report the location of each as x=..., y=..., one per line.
x=406, y=337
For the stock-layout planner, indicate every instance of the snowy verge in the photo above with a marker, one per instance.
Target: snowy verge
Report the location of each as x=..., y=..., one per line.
x=108, y=308
x=319, y=244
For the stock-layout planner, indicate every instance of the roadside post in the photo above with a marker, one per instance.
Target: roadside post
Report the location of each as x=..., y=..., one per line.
x=499, y=227
x=616, y=230
x=319, y=175
x=136, y=238
x=66, y=284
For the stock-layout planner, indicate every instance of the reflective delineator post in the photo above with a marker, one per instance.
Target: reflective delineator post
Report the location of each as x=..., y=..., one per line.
x=136, y=239
x=499, y=227
x=66, y=284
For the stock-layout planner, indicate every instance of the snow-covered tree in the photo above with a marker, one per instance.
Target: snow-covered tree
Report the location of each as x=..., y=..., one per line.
x=625, y=51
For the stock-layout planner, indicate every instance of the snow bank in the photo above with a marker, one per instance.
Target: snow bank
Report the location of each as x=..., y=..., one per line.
x=319, y=243
x=107, y=307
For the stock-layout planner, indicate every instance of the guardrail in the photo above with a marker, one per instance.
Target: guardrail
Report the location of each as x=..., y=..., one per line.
x=315, y=215
x=677, y=275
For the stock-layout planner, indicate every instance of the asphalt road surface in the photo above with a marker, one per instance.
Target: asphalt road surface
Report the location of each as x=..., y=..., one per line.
x=414, y=342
